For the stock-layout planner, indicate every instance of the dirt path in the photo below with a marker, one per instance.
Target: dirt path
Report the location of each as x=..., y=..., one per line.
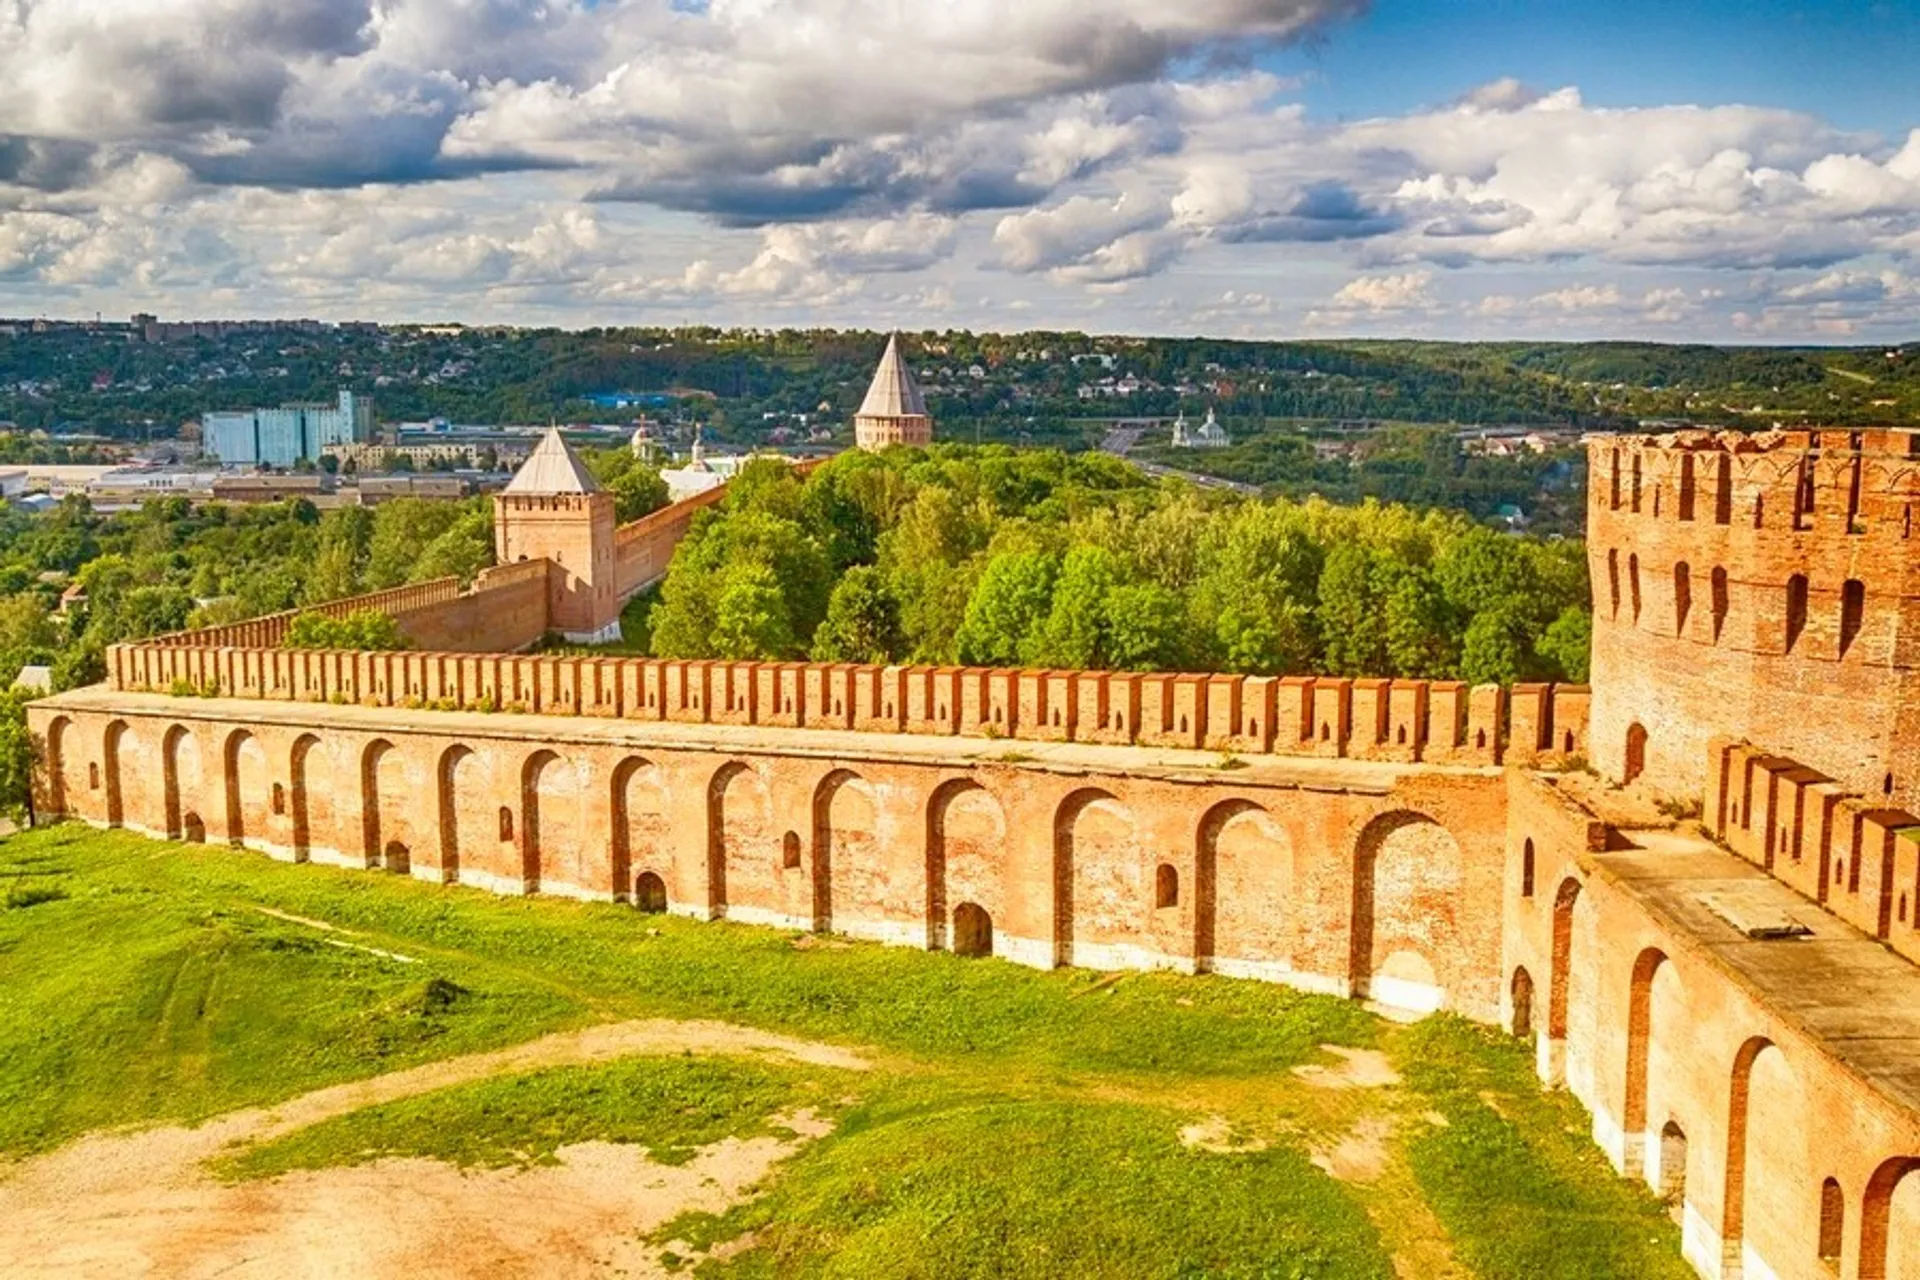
x=129, y=1204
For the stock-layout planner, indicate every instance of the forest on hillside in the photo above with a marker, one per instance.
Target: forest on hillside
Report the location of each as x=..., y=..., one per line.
x=1002, y=386
x=992, y=557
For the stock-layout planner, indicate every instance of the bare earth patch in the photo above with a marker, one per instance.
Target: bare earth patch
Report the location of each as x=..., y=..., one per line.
x=131, y=1204
x=1360, y=1156
x=1215, y=1134
x=1358, y=1069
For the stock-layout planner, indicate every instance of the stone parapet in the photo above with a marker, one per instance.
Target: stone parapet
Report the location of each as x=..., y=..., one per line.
x=1410, y=721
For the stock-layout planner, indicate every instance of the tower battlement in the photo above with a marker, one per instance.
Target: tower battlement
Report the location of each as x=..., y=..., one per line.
x=1823, y=482
x=1765, y=586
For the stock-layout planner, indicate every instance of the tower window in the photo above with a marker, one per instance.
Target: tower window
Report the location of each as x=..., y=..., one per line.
x=1853, y=608
x=1682, y=596
x=1796, y=609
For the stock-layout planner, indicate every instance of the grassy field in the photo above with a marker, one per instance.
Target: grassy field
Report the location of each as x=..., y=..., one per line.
x=1015, y=1123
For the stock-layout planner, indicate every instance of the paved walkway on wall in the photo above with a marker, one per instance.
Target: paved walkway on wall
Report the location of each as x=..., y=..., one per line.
x=1362, y=777
x=1856, y=999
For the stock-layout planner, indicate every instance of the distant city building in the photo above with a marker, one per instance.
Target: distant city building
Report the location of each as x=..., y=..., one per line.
x=287, y=435
x=256, y=487
x=894, y=411
x=374, y=490
x=1208, y=435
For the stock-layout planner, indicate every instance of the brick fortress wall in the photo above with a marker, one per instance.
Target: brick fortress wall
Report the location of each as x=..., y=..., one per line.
x=1363, y=844
x=1386, y=884
x=1762, y=587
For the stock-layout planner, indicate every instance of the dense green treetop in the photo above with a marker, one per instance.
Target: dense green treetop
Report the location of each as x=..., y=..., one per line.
x=991, y=557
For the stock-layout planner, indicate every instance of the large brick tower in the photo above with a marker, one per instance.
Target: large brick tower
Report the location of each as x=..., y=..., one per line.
x=1762, y=587
x=894, y=411
x=555, y=510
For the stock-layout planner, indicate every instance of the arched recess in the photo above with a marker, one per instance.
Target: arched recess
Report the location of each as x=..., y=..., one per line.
x=1890, y=1222
x=743, y=848
x=1653, y=1015
x=306, y=771
x=1097, y=889
x=1521, y=998
x=446, y=788
x=1407, y=883
x=1833, y=1225
x=640, y=838
x=372, y=758
x=966, y=836
x=1243, y=879
x=111, y=750
x=1635, y=762
x=847, y=875
x=538, y=812
x=249, y=782
x=972, y=930
x=179, y=777
x=58, y=732
x=1762, y=1084
x=650, y=893
x=1560, y=979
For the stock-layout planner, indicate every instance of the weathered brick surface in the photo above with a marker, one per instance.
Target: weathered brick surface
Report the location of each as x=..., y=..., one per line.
x=1391, y=887
x=1830, y=507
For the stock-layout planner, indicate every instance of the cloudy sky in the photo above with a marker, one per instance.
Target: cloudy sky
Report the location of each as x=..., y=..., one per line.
x=1710, y=170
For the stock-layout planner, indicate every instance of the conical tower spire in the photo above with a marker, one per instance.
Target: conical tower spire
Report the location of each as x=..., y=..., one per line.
x=553, y=468
x=894, y=411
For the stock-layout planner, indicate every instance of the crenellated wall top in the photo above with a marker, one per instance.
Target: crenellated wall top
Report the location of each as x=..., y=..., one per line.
x=1396, y=720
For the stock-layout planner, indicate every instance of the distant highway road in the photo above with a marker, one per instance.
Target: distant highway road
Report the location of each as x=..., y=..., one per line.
x=1120, y=441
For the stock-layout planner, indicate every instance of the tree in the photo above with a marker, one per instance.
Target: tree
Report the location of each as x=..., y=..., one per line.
x=1566, y=648
x=1351, y=614
x=1496, y=648
x=16, y=754
x=334, y=575
x=862, y=623
x=153, y=611
x=461, y=552
x=637, y=492
x=1008, y=604
x=1143, y=623
x=750, y=619
x=401, y=530
x=365, y=629
x=1421, y=641
x=1075, y=635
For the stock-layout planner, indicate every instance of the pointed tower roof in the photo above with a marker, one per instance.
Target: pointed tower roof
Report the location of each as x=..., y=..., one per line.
x=553, y=468
x=894, y=393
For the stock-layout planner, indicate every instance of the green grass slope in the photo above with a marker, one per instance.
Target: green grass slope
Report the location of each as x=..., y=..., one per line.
x=1015, y=1123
